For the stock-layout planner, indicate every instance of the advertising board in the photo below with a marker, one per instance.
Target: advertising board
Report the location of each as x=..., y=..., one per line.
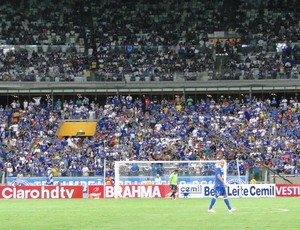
x=40, y=192
x=129, y=191
x=288, y=190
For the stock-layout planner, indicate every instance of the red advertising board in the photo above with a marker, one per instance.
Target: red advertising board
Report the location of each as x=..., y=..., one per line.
x=41, y=192
x=129, y=191
x=287, y=189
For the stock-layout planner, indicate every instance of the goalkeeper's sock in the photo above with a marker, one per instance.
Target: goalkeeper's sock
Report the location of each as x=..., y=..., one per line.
x=173, y=194
x=212, y=203
x=227, y=203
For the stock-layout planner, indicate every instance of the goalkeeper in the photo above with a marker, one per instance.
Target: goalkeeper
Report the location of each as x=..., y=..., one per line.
x=220, y=188
x=173, y=179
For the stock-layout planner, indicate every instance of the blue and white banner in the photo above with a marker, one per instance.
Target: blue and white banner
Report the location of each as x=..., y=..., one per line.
x=183, y=180
x=49, y=176
x=85, y=181
x=233, y=190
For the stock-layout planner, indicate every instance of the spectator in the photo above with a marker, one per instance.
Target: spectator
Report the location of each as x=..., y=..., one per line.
x=85, y=171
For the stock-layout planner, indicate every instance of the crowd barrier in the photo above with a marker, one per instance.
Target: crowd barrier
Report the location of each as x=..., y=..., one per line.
x=86, y=181
x=93, y=187
x=185, y=191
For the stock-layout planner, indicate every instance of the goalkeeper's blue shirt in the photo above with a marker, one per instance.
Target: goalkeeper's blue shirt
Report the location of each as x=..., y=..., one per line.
x=220, y=171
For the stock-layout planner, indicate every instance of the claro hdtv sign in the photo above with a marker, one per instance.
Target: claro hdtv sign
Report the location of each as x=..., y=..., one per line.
x=41, y=192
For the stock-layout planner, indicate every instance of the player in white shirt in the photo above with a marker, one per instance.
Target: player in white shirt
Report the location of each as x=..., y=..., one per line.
x=157, y=179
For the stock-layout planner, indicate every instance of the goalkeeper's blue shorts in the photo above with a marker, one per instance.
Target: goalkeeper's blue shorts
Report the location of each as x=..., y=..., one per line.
x=220, y=191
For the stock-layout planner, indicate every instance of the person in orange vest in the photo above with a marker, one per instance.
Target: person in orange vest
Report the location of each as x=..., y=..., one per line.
x=109, y=180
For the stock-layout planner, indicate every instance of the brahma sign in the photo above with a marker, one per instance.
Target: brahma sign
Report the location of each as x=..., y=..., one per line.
x=129, y=191
x=40, y=192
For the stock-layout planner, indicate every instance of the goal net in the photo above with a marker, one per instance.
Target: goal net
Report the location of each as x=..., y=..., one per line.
x=147, y=172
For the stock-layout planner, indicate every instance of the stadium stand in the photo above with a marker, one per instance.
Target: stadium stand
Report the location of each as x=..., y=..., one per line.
x=165, y=130
x=139, y=42
x=149, y=41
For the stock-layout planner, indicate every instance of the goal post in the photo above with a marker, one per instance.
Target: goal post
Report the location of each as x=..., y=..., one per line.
x=144, y=172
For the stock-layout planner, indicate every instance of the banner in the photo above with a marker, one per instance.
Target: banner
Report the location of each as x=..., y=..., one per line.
x=233, y=190
x=40, y=192
x=65, y=181
x=129, y=191
x=183, y=180
x=191, y=191
x=85, y=181
x=287, y=189
x=184, y=191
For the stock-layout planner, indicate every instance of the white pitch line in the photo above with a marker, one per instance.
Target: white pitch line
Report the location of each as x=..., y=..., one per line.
x=272, y=210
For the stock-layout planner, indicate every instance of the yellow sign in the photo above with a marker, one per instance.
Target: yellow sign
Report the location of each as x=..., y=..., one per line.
x=77, y=128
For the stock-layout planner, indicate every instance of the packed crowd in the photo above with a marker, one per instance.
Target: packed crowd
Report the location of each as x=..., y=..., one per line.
x=129, y=40
x=256, y=132
x=109, y=40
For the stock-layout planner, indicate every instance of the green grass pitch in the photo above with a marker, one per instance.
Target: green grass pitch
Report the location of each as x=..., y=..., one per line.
x=149, y=214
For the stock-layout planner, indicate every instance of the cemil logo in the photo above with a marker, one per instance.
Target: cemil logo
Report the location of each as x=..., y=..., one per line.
x=187, y=190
